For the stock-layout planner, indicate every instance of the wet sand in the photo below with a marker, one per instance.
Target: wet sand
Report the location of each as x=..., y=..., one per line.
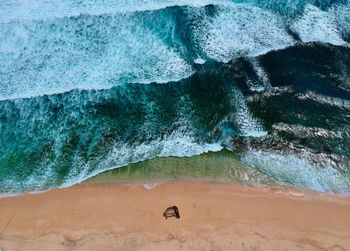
x=213, y=217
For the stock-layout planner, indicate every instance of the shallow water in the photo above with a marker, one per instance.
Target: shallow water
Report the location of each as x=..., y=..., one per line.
x=221, y=166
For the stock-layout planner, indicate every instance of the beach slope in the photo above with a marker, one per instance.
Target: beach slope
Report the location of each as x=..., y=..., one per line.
x=213, y=217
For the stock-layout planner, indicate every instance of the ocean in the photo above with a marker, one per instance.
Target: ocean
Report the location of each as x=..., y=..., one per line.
x=160, y=86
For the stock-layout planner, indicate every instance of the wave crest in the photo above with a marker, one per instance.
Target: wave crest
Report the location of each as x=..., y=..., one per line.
x=48, y=56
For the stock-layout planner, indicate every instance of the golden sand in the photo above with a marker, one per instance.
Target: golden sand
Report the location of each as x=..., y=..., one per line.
x=213, y=217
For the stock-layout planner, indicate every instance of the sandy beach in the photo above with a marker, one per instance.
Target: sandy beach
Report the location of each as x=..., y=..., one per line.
x=213, y=217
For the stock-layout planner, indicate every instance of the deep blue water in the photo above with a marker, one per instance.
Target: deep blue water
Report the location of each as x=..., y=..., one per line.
x=93, y=85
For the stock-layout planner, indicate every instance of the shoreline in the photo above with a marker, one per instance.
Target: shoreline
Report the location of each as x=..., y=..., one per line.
x=214, y=216
x=103, y=179
x=279, y=188
x=216, y=167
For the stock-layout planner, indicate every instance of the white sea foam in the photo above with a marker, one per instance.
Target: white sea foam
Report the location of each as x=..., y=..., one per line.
x=199, y=61
x=20, y=10
x=179, y=143
x=241, y=118
x=327, y=100
x=241, y=30
x=48, y=58
x=245, y=122
x=246, y=30
x=41, y=177
x=97, y=52
x=176, y=144
x=263, y=82
x=317, y=25
x=298, y=171
x=341, y=14
x=151, y=186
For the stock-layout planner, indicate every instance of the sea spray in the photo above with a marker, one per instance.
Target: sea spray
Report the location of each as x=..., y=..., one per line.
x=87, y=87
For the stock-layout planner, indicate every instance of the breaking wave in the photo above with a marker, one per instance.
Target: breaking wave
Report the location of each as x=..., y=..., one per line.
x=53, y=47
x=298, y=171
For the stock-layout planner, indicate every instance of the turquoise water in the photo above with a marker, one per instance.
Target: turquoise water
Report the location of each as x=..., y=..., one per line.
x=222, y=166
x=90, y=86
